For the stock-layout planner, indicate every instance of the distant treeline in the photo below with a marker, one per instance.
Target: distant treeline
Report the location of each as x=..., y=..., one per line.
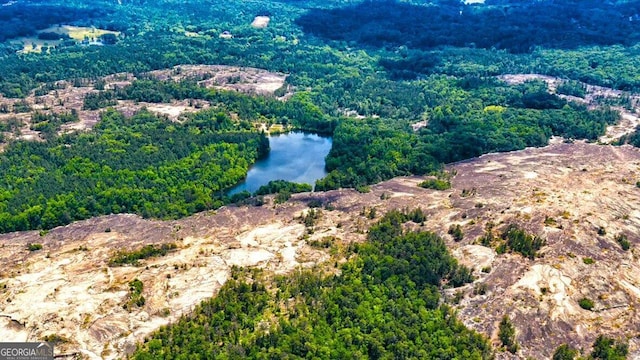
x=517, y=26
x=25, y=18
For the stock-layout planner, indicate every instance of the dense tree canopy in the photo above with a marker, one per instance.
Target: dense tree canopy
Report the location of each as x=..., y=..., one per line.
x=383, y=304
x=143, y=164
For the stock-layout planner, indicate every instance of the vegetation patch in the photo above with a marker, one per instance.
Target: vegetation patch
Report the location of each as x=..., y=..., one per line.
x=606, y=348
x=623, y=241
x=311, y=217
x=586, y=303
x=148, y=251
x=436, y=184
x=507, y=334
x=135, y=295
x=278, y=186
x=55, y=339
x=283, y=190
x=565, y=352
x=572, y=88
x=456, y=232
x=34, y=247
x=324, y=243
x=517, y=240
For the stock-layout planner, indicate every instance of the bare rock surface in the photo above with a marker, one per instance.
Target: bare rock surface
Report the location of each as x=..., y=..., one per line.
x=578, y=197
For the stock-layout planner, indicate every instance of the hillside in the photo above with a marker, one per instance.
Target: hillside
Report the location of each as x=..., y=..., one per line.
x=564, y=193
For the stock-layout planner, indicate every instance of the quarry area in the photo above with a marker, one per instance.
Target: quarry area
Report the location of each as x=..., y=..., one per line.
x=578, y=197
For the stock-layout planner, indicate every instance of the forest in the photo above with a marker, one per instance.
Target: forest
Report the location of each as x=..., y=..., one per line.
x=385, y=304
x=505, y=25
x=143, y=164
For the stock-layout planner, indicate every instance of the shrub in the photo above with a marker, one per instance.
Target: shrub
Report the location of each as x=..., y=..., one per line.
x=456, y=232
x=34, y=247
x=314, y=203
x=467, y=192
x=623, y=241
x=588, y=260
x=282, y=197
x=507, y=335
x=586, y=304
x=564, y=352
x=323, y=243
x=435, y=184
x=609, y=349
x=309, y=219
x=417, y=215
x=135, y=295
x=480, y=289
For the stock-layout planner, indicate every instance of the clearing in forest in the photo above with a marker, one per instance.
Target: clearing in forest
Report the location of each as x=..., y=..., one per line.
x=77, y=33
x=260, y=22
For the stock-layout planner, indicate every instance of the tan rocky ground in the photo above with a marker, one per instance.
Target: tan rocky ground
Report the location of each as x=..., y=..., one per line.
x=563, y=193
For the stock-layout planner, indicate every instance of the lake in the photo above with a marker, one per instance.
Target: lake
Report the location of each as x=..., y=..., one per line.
x=295, y=156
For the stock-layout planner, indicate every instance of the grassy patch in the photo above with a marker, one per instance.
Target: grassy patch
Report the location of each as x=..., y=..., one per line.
x=79, y=33
x=33, y=44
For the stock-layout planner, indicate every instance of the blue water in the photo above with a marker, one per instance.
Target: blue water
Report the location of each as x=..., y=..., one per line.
x=295, y=156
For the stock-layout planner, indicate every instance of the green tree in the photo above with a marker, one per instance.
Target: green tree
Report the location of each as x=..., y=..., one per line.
x=605, y=348
x=507, y=334
x=565, y=352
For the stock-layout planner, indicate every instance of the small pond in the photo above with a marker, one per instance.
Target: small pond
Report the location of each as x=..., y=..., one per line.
x=295, y=156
